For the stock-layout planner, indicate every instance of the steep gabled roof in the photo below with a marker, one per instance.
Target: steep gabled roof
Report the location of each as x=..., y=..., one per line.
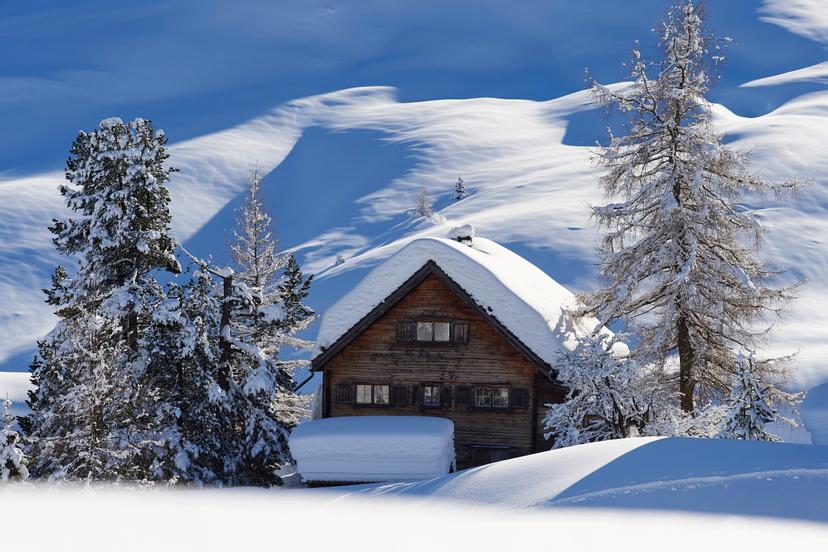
x=527, y=306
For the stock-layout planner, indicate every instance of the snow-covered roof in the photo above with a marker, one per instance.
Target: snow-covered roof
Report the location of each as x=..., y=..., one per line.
x=373, y=448
x=518, y=294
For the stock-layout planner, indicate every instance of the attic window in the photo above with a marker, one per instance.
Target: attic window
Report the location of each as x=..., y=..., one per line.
x=433, y=331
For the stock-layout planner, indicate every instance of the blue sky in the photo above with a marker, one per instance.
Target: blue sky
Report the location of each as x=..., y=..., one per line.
x=198, y=67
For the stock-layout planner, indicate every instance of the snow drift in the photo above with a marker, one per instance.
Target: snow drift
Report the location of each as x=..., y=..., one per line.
x=654, y=473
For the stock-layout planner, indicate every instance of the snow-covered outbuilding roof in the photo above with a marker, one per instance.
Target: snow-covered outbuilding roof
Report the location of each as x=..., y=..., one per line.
x=519, y=295
x=373, y=448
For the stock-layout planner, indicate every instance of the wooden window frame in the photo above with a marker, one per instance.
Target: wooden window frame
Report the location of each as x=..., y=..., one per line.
x=492, y=406
x=409, y=335
x=439, y=387
x=373, y=403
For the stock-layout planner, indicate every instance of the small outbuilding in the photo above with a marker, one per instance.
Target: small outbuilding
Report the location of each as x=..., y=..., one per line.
x=368, y=449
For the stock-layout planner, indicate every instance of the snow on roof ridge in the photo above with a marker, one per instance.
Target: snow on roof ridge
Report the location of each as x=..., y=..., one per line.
x=526, y=300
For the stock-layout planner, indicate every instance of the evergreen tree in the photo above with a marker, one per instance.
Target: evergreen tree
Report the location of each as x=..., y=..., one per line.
x=186, y=406
x=275, y=311
x=293, y=290
x=256, y=388
x=679, y=254
x=423, y=207
x=12, y=460
x=750, y=405
x=459, y=189
x=608, y=397
x=89, y=369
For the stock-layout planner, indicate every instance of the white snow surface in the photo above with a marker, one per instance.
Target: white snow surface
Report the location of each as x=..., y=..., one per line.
x=653, y=473
x=373, y=448
x=522, y=297
x=814, y=411
x=228, y=520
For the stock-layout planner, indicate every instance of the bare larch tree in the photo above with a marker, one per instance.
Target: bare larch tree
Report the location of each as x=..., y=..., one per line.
x=679, y=255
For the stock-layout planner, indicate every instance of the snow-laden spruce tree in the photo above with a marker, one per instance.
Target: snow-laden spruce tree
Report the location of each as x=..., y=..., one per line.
x=679, y=253
x=88, y=370
x=459, y=189
x=423, y=206
x=187, y=406
x=12, y=460
x=609, y=396
x=276, y=312
x=751, y=404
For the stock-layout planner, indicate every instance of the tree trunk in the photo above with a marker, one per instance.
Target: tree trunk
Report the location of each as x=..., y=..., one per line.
x=226, y=350
x=685, y=350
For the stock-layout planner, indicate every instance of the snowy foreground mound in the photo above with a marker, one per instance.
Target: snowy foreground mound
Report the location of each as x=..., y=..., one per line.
x=694, y=475
x=282, y=520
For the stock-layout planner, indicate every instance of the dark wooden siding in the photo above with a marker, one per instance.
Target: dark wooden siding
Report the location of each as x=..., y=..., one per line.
x=377, y=357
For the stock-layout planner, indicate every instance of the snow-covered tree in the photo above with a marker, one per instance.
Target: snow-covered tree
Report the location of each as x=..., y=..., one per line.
x=608, y=397
x=423, y=207
x=750, y=405
x=679, y=253
x=89, y=369
x=459, y=189
x=293, y=289
x=275, y=311
x=12, y=460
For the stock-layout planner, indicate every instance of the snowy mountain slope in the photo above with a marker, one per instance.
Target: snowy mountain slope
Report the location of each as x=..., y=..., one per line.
x=523, y=161
x=200, y=521
x=696, y=475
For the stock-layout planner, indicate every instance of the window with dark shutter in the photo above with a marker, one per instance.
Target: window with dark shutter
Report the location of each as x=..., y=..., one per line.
x=345, y=393
x=520, y=397
x=459, y=332
x=445, y=396
x=399, y=395
x=463, y=395
x=417, y=395
x=406, y=330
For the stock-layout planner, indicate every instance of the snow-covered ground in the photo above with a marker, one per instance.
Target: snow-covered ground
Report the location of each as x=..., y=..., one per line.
x=677, y=474
x=253, y=520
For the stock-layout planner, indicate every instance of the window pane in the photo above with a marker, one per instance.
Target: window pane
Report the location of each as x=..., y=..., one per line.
x=381, y=394
x=500, y=397
x=431, y=395
x=442, y=331
x=482, y=396
x=425, y=331
x=363, y=394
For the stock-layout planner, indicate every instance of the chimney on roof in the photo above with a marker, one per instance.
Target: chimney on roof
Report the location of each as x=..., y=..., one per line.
x=463, y=234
